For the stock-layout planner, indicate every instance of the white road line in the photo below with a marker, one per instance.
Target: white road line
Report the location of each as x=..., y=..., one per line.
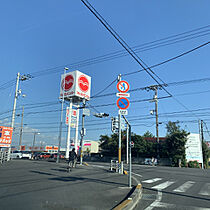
x=98, y=166
x=205, y=190
x=149, y=181
x=137, y=174
x=163, y=185
x=184, y=187
x=156, y=202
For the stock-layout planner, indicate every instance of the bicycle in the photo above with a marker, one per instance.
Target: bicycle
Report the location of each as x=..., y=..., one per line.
x=71, y=164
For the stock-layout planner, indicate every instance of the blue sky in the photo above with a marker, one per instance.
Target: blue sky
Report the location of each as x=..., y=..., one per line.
x=48, y=35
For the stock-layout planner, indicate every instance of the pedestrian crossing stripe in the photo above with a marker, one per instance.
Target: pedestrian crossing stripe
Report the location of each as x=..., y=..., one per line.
x=205, y=190
x=184, y=187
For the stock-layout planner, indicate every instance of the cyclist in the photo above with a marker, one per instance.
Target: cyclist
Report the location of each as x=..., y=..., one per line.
x=72, y=159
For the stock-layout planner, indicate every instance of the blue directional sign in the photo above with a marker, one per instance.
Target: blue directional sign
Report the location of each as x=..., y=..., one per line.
x=123, y=103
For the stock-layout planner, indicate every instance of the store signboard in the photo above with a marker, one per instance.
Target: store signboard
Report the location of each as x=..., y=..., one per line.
x=193, y=149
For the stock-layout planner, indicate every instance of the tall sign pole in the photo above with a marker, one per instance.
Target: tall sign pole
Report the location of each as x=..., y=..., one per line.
x=77, y=130
x=82, y=133
x=119, y=127
x=122, y=103
x=69, y=130
x=61, y=121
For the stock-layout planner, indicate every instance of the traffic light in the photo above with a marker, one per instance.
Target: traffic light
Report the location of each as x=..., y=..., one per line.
x=114, y=125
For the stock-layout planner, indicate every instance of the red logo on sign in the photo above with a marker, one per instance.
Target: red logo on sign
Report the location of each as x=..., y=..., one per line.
x=83, y=83
x=69, y=81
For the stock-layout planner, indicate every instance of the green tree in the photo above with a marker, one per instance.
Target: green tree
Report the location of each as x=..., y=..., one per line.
x=206, y=154
x=175, y=143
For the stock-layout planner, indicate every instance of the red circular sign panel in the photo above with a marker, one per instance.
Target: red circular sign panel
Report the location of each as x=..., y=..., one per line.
x=123, y=86
x=83, y=83
x=69, y=81
x=123, y=103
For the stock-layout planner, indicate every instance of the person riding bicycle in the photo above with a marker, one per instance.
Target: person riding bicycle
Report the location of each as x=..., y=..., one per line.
x=72, y=158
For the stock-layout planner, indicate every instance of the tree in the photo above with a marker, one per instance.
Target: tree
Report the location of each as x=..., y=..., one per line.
x=206, y=154
x=175, y=143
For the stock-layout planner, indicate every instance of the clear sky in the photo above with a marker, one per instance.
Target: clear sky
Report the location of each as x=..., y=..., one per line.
x=42, y=37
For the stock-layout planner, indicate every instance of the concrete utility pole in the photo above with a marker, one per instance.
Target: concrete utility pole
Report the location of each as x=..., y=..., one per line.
x=202, y=140
x=155, y=89
x=14, y=108
x=157, y=124
x=119, y=128
x=21, y=129
x=82, y=133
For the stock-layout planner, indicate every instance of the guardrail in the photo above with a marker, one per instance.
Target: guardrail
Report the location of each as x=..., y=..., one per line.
x=116, y=166
x=4, y=156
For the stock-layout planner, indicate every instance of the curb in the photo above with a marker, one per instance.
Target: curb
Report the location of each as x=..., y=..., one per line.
x=132, y=200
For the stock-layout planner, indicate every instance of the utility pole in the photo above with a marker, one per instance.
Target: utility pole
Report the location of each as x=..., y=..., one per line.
x=21, y=129
x=82, y=133
x=157, y=124
x=155, y=99
x=17, y=92
x=119, y=127
x=14, y=108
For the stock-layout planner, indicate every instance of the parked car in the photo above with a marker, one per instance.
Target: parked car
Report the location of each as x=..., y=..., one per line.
x=150, y=161
x=54, y=155
x=44, y=155
x=26, y=154
x=36, y=155
x=16, y=154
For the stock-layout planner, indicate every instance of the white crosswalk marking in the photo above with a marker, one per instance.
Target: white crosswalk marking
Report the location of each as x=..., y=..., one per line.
x=149, y=181
x=184, y=187
x=163, y=185
x=205, y=190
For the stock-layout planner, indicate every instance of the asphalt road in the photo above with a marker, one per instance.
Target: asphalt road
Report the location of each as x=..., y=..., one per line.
x=26, y=184
x=173, y=188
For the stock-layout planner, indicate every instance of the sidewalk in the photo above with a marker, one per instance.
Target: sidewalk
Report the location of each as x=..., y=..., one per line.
x=26, y=184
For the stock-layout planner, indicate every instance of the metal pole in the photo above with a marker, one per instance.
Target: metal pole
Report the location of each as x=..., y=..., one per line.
x=14, y=109
x=33, y=145
x=127, y=136
x=202, y=140
x=61, y=120
x=69, y=130
x=21, y=129
x=119, y=127
x=82, y=134
x=77, y=130
x=130, y=164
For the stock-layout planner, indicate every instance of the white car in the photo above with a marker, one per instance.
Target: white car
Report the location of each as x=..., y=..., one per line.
x=16, y=154
x=26, y=154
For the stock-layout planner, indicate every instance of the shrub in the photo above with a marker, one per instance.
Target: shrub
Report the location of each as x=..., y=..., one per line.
x=193, y=164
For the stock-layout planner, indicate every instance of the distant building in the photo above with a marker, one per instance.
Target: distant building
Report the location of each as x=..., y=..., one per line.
x=154, y=139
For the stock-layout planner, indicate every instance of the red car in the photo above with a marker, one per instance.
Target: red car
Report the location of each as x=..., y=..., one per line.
x=44, y=155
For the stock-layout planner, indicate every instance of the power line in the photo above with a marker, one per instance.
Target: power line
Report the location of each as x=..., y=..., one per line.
x=169, y=60
x=124, y=44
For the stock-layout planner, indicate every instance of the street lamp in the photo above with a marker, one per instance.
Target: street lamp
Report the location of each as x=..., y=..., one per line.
x=35, y=133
